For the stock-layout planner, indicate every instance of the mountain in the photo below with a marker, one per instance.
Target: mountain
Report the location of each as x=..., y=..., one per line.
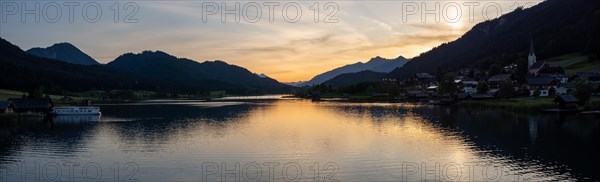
x=214, y=75
x=151, y=71
x=262, y=75
x=376, y=64
x=295, y=84
x=556, y=27
x=63, y=52
x=353, y=78
x=21, y=71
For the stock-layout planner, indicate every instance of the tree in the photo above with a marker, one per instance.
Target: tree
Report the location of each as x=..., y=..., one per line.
x=552, y=91
x=522, y=69
x=392, y=88
x=583, y=91
x=523, y=92
x=471, y=73
x=494, y=70
x=447, y=85
x=536, y=93
x=439, y=75
x=506, y=90
x=482, y=88
x=37, y=92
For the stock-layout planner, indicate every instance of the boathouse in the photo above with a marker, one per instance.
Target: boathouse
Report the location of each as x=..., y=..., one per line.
x=566, y=101
x=7, y=107
x=43, y=105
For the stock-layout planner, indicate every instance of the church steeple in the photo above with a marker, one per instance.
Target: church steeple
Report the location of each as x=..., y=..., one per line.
x=531, y=59
x=531, y=51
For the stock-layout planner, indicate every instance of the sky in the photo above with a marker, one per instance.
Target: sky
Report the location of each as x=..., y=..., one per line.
x=286, y=40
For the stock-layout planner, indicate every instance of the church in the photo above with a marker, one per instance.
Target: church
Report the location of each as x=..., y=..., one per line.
x=533, y=66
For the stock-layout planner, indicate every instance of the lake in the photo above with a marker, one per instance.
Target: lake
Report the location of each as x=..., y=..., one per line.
x=299, y=140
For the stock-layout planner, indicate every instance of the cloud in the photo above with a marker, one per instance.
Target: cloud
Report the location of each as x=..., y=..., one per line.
x=262, y=50
x=285, y=51
x=316, y=40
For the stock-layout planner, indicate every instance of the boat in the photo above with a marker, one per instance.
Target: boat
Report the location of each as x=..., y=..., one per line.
x=76, y=110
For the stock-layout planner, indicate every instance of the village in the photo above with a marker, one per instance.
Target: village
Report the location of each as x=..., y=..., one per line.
x=541, y=80
x=548, y=87
x=543, y=87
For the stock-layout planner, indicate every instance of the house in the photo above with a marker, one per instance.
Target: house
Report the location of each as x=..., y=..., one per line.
x=496, y=80
x=590, y=76
x=432, y=88
x=422, y=80
x=566, y=101
x=468, y=86
x=391, y=81
x=493, y=92
x=537, y=68
x=563, y=78
x=549, y=69
x=7, y=107
x=32, y=105
x=541, y=85
x=424, y=76
x=510, y=68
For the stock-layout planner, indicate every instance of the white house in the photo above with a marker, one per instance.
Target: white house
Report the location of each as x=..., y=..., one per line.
x=469, y=86
x=541, y=85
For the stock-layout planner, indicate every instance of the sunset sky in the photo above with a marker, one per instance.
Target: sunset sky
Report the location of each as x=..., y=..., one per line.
x=284, y=51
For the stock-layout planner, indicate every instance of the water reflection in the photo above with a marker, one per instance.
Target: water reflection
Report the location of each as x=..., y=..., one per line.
x=74, y=119
x=565, y=144
x=173, y=141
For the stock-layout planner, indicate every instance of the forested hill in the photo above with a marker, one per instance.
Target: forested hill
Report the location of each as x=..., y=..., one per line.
x=557, y=27
x=151, y=71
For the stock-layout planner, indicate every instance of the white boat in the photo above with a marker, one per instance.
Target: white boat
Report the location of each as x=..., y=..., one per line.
x=75, y=110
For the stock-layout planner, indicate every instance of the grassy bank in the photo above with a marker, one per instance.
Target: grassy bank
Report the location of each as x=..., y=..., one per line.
x=593, y=105
x=6, y=94
x=101, y=97
x=525, y=104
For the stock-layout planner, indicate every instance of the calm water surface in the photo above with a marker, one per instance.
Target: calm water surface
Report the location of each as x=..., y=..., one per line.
x=299, y=140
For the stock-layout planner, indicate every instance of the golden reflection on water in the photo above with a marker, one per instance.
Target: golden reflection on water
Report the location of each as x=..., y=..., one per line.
x=371, y=142
x=365, y=140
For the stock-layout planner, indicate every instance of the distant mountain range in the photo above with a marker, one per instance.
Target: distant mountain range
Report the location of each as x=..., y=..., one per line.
x=149, y=70
x=347, y=79
x=376, y=64
x=262, y=75
x=164, y=67
x=63, y=52
x=557, y=27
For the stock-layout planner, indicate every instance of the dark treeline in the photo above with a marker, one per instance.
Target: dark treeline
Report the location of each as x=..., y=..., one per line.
x=20, y=71
x=358, y=89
